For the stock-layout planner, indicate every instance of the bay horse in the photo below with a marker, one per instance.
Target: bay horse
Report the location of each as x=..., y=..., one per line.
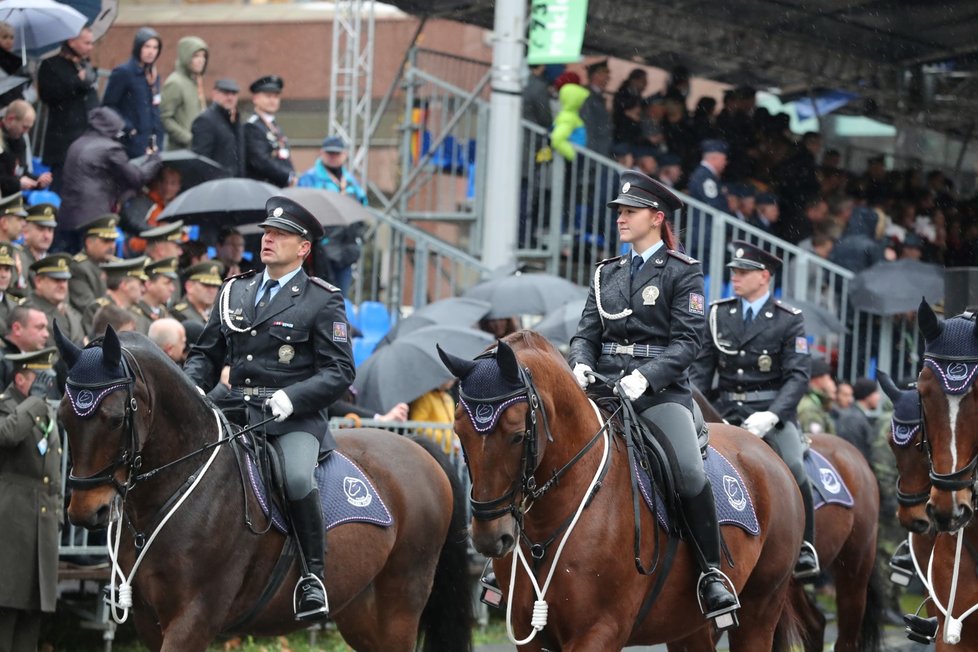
x=204, y=571
x=949, y=412
x=551, y=484
x=845, y=539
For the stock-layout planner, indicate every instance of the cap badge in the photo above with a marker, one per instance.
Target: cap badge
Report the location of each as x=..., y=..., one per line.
x=626, y=186
x=278, y=212
x=739, y=253
x=61, y=263
x=111, y=224
x=649, y=294
x=214, y=270
x=48, y=211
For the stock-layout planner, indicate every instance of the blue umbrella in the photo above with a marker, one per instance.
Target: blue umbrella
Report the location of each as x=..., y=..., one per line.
x=39, y=24
x=100, y=14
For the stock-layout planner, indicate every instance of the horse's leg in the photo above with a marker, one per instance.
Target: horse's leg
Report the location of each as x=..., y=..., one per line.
x=375, y=623
x=851, y=587
x=701, y=640
x=811, y=617
x=759, y=616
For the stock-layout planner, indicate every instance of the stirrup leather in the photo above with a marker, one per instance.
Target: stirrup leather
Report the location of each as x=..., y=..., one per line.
x=320, y=612
x=812, y=572
x=726, y=617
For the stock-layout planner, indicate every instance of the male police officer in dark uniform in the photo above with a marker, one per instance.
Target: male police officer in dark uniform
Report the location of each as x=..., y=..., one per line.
x=267, y=156
x=286, y=338
x=757, y=346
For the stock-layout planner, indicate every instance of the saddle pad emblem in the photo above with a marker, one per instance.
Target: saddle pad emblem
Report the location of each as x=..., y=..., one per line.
x=357, y=492
x=828, y=487
x=830, y=480
x=735, y=493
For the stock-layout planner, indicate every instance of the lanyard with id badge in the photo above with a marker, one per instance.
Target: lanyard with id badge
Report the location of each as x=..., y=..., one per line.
x=42, y=443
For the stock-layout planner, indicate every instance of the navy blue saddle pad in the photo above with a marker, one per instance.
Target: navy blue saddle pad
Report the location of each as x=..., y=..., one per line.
x=828, y=487
x=346, y=493
x=733, y=502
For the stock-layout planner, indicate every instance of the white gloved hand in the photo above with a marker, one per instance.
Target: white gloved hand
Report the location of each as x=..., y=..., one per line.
x=760, y=423
x=581, y=372
x=634, y=385
x=281, y=405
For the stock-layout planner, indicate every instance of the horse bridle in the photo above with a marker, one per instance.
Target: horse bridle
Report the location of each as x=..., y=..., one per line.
x=963, y=478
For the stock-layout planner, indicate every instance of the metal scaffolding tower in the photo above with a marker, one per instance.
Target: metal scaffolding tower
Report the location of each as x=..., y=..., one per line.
x=351, y=80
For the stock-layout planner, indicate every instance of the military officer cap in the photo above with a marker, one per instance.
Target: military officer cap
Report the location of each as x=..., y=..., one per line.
x=209, y=272
x=287, y=215
x=7, y=254
x=13, y=205
x=102, y=227
x=227, y=86
x=171, y=231
x=163, y=267
x=333, y=144
x=713, y=145
x=751, y=257
x=767, y=198
x=33, y=360
x=134, y=267
x=267, y=84
x=640, y=191
x=55, y=266
x=43, y=215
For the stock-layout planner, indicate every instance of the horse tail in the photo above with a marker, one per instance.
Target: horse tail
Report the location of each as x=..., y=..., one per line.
x=446, y=621
x=869, y=629
x=790, y=630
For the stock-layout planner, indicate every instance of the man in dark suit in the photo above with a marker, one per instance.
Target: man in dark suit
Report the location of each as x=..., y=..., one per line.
x=216, y=132
x=286, y=338
x=267, y=155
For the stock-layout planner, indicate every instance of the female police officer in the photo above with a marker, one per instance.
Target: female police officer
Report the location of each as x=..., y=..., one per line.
x=645, y=317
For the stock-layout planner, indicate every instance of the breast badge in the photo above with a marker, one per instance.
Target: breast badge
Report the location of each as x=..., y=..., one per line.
x=285, y=354
x=764, y=363
x=649, y=294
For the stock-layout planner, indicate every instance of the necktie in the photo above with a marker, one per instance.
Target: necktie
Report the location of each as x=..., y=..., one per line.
x=266, y=298
x=749, y=315
x=637, y=262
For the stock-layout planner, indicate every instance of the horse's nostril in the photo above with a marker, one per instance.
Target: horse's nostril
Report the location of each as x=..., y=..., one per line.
x=506, y=542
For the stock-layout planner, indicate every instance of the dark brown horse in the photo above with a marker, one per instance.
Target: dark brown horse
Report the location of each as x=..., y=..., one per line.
x=845, y=539
x=552, y=494
x=205, y=571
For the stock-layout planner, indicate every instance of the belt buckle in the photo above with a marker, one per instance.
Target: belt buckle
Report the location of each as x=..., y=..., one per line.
x=627, y=350
x=738, y=396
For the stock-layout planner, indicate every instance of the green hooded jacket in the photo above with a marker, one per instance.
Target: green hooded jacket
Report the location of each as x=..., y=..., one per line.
x=181, y=101
x=568, y=126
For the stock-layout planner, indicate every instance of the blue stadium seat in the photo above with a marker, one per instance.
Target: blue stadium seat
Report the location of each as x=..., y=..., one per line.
x=362, y=348
x=373, y=319
x=351, y=313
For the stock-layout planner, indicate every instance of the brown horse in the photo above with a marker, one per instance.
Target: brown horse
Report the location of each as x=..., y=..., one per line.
x=845, y=539
x=949, y=407
x=135, y=425
x=552, y=505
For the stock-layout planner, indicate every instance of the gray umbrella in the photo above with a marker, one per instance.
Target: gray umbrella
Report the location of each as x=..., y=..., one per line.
x=221, y=202
x=819, y=321
x=560, y=325
x=330, y=208
x=455, y=311
x=194, y=169
x=890, y=288
x=525, y=294
x=409, y=366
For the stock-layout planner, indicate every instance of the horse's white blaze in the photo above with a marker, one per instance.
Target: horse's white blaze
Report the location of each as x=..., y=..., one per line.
x=953, y=403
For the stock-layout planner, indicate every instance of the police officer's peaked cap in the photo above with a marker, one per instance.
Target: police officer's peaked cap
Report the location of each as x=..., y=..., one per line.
x=639, y=191
x=7, y=254
x=713, y=145
x=209, y=272
x=171, y=231
x=13, y=205
x=33, y=360
x=267, y=84
x=43, y=215
x=163, y=267
x=134, y=267
x=751, y=257
x=102, y=227
x=55, y=266
x=287, y=215
x=227, y=86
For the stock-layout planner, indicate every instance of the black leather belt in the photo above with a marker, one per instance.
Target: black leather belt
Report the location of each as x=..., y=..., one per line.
x=764, y=395
x=635, y=350
x=260, y=392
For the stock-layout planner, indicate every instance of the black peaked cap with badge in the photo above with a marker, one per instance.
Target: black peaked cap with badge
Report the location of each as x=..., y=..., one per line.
x=43, y=215
x=751, y=257
x=640, y=191
x=289, y=216
x=267, y=84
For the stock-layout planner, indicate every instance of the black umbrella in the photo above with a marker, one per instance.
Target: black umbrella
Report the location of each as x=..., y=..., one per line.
x=222, y=202
x=560, y=325
x=331, y=208
x=891, y=288
x=194, y=169
x=455, y=311
x=409, y=366
x=525, y=294
x=819, y=321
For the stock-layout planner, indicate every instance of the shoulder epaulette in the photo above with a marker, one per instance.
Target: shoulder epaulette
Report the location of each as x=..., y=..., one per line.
x=102, y=301
x=181, y=306
x=80, y=257
x=717, y=302
x=248, y=274
x=21, y=301
x=254, y=118
x=3, y=397
x=607, y=260
x=786, y=307
x=689, y=260
x=323, y=284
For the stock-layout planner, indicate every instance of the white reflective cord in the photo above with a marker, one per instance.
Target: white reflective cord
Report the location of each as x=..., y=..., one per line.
x=224, y=306
x=539, y=617
x=597, y=299
x=713, y=331
x=125, y=583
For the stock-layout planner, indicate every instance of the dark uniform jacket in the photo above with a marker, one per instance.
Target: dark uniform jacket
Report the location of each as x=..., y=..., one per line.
x=219, y=139
x=299, y=343
x=705, y=186
x=770, y=355
x=30, y=503
x=86, y=284
x=267, y=155
x=668, y=308
x=70, y=320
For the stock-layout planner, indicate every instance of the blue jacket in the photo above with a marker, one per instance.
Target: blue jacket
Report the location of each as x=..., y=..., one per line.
x=319, y=177
x=133, y=98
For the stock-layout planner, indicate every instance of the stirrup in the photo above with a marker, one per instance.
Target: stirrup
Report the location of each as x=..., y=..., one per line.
x=490, y=595
x=725, y=618
x=902, y=570
x=920, y=629
x=312, y=614
x=810, y=572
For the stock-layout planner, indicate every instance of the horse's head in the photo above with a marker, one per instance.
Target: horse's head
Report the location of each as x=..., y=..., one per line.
x=950, y=415
x=913, y=466
x=503, y=423
x=99, y=414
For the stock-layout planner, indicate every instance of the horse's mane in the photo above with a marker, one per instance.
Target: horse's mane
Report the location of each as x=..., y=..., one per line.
x=528, y=341
x=150, y=356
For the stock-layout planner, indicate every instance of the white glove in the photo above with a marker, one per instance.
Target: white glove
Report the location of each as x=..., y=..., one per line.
x=634, y=385
x=281, y=405
x=581, y=372
x=760, y=423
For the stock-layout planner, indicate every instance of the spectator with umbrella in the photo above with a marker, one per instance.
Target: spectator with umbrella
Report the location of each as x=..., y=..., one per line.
x=216, y=133
x=134, y=92
x=183, y=92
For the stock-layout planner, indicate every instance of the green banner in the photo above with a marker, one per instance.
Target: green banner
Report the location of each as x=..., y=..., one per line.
x=556, y=31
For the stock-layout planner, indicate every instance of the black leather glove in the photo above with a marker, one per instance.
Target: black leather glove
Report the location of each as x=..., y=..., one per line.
x=45, y=385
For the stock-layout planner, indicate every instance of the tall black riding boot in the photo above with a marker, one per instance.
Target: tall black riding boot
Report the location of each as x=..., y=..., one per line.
x=717, y=599
x=309, y=599
x=807, y=567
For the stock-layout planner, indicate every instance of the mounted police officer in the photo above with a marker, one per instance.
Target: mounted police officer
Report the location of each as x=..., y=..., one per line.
x=644, y=317
x=286, y=338
x=756, y=344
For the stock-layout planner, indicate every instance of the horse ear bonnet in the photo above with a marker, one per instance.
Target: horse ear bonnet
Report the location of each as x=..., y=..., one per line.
x=905, y=421
x=488, y=389
x=951, y=352
x=98, y=371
